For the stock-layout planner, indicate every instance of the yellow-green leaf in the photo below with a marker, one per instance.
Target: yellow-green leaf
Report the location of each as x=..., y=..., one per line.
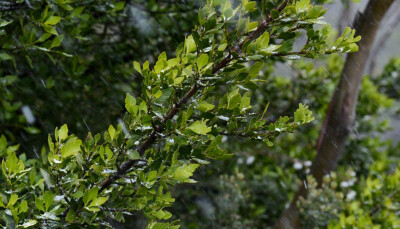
x=137, y=67
x=199, y=127
x=63, y=132
x=98, y=201
x=13, y=199
x=52, y=20
x=71, y=147
x=204, y=106
x=130, y=104
x=202, y=61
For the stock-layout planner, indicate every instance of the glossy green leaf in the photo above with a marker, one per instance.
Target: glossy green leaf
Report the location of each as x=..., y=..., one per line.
x=199, y=127
x=53, y=20
x=71, y=147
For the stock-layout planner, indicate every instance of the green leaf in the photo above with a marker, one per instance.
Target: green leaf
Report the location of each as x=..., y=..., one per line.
x=63, y=132
x=162, y=215
x=159, y=66
x=71, y=147
x=199, y=127
x=245, y=102
x=111, y=132
x=353, y=48
x=162, y=56
x=268, y=142
x=190, y=45
x=255, y=69
x=252, y=25
x=250, y=6
x=263, y=41
x=46, y=177
x=98, y=201
x=274, y=13
x=90, y=195
x=5, y=56
x=157, y=94
x=214, y=151
x=71, y=216
x=204, y=106
x=57, y=41
x=130, y=104
x=146, y=65
x=13, y=164
x=77, y=194
x=317, y=21
x=29, y=223
x=173, y=62
x=109, y=153
x=292, y=57
x=50, y=29
x=202, y=15
x=303, y=115
x=8, y=80
x=227, y=10
x=202, y=61
x=13, y=199
x=133, y=154
x=119, y=6
x=48, y=198
x=137, y=67
x=23, y=207
x=316, y=12
x=178, y=80
x=52, y=20
x=39, y=204
x=185, y=171
x=302, y=5
x=32, y=129
x=233, y=99
x=152, y=177
x=4, y=23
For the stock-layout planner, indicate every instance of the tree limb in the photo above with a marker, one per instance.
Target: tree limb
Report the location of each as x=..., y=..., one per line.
x=177, y=107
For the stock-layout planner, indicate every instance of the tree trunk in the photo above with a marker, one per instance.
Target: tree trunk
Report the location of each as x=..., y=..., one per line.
x=340, y=116
x=390, y=25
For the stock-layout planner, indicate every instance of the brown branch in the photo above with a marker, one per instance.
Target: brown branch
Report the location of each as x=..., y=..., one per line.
x=176, y=108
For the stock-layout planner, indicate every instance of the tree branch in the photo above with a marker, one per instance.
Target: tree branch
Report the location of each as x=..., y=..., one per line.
x=176, y=108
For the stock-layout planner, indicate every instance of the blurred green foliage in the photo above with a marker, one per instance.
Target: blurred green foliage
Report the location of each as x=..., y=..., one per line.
x=70, y=61
x=265, y=179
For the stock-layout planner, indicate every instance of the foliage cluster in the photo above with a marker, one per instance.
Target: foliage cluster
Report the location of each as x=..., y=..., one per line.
x=70, y=61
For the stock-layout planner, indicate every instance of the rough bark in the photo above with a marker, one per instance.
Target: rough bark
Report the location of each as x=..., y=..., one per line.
x=340, y=116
